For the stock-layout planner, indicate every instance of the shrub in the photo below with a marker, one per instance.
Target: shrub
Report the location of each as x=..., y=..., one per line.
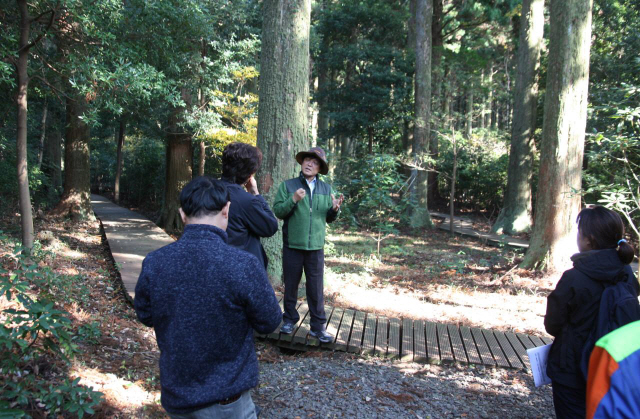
x=34, y=331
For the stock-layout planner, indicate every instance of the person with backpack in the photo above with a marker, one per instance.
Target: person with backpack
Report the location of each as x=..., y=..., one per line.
x=573, y=307
x=613, y=385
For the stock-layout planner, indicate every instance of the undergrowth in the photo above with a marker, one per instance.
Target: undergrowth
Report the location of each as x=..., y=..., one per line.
x=37, y=341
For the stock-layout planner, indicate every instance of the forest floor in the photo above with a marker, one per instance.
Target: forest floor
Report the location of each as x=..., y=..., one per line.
x=433, y=276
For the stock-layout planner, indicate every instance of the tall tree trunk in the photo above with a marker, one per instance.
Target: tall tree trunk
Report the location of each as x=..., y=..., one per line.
x=202, y=148
x=487, y=116
x=469, y=113
x=438, y=100
x=76, y=197
x=179, y=166
x=515, y=216
x=424, y=14
x=43, y=134
x=408, y=125
x=116, y=186
x=563, y=132
x=283, y=103
x=26, y=214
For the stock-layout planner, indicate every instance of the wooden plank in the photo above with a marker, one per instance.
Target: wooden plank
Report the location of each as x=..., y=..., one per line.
x=355, y=343
x=394, y=339
x=456, y=344
x=508, y=350
x=536, y=341
x=407, y=340
x=300, y=336
x=302, y=311
x=483, y=348
x=470, y=346
x=334, y=324
x=433, y=352
x=443, y=343
x=369, y=341
x=381, y=336
x=546, y=340
x=521, y=351
x=526, y=342
x=419, y=342
x=496, y=351
x=342, y=338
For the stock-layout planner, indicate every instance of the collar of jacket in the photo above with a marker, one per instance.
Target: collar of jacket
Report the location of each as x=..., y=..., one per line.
x=304, y=179
x=203, y=231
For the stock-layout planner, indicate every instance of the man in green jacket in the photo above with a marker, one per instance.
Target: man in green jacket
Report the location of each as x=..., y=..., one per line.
x=306, y=204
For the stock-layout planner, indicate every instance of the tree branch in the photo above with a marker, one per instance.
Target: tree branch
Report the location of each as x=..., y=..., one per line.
x=35, y=41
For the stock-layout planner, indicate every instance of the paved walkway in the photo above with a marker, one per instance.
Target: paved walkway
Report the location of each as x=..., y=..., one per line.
x=131, y=237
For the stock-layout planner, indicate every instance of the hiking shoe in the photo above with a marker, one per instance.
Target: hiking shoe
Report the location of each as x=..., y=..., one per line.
x=322, y=336
x=287, y=328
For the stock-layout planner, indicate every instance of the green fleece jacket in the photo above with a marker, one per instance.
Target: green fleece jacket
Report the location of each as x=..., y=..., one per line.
x=305, y=221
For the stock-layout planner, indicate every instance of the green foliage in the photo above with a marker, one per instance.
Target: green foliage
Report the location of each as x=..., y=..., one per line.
x=613, y=169
x=482, y=170
x=362, y=45
x=32, y=331
x=375, y=190
x=142, y=179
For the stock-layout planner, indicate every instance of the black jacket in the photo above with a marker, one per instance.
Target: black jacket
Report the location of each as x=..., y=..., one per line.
x=572, y=310
x=249, y=219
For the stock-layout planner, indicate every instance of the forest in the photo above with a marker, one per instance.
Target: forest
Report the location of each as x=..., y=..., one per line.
x=515, y=112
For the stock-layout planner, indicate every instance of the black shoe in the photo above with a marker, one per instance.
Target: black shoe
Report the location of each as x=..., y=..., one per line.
x=322, y=336
x=287, y=328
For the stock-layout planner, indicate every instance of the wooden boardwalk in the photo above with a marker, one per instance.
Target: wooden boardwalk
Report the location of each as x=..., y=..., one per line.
x=131, y=237
x=410, y=340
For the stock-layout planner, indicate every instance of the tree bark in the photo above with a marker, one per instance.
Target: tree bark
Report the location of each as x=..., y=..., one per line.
x=116, y=186
x=489, y=110
x=178, y=172
x=563, y=132
x=469, y=113
x=26, y=214
x=283, y=103
x=424, y=14
x=516, y=214
x=76, y=197
x=202, y=157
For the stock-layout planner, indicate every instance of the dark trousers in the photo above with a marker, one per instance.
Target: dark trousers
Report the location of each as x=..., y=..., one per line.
x=312, y=261
x=569, y=402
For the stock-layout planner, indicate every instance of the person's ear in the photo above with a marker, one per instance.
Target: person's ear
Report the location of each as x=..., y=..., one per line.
x=225, y=210
x=183, y=217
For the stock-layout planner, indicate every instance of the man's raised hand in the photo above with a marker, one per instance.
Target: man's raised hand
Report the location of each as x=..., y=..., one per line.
x=337, y=202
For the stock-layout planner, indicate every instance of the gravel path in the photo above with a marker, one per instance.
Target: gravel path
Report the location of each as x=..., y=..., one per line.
x=324, y=384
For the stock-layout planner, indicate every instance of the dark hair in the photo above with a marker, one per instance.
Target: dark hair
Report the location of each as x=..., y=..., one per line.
x=604, y=229
x=203, y=196
x=240, y=161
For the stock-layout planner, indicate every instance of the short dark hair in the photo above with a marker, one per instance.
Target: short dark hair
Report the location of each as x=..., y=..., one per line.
x=240, y=161
x=203, y=196
x=604, y=229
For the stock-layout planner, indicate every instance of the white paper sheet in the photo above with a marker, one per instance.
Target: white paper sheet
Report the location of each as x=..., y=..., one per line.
x=538, y=360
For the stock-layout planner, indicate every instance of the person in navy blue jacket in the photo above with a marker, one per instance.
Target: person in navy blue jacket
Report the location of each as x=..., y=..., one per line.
x=250, y=217
x=204, y=299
